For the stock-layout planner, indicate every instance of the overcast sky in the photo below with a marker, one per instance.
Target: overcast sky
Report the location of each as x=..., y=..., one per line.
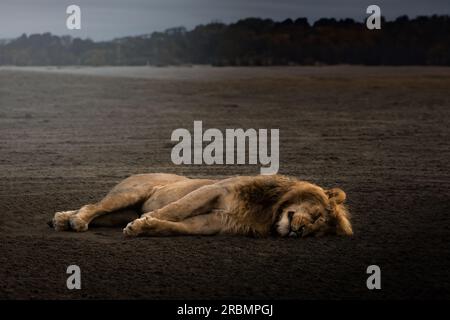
x=107, y=19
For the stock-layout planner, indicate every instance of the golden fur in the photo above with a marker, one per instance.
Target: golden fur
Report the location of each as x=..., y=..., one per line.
x=175, y=205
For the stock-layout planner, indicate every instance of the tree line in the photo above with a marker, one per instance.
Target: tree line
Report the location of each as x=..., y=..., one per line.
x=424, y=40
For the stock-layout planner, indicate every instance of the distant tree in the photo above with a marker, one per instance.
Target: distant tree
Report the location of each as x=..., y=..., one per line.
x=424, y=40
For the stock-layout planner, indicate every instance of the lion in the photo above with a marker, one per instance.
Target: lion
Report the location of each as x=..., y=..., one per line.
x=161, y=204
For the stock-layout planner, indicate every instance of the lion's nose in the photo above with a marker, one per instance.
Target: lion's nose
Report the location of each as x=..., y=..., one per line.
x=300, y=230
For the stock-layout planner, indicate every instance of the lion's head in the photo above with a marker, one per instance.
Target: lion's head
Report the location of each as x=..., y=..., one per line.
x=308, y=210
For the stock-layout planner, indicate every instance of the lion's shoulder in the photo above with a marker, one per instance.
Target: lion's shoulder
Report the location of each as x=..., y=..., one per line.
x=263, y=190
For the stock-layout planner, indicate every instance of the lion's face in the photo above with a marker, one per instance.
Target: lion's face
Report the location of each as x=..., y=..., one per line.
x=316, y=218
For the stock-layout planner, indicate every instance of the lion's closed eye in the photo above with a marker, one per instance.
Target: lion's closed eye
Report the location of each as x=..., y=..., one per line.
x=315, y=218
x=315, y=213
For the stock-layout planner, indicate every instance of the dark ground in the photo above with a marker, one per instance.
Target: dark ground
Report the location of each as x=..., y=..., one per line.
x=381, y=134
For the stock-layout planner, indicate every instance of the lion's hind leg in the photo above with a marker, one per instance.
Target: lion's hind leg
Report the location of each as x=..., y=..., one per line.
x=113, y=202
x=116, y=200
x=120, y=218
x=60, y=221
x=129, y=193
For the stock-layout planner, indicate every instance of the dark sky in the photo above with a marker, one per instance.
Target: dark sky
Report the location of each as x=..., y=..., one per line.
x=107, y=19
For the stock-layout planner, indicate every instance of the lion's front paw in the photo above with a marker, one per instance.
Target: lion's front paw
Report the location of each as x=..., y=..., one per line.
x=137, y=227
x=60, y=221
x=133, y=229
x=130, y=231
x=77, y=224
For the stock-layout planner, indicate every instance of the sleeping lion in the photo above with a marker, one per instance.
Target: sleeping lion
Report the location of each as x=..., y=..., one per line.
x=168, y=205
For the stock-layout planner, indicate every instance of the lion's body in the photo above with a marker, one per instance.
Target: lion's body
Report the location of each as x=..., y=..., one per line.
x=167, y=204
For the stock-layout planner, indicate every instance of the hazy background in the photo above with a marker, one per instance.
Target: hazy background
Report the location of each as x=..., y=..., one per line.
x=107, y=19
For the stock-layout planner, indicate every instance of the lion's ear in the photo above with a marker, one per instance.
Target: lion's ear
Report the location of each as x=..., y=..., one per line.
x=336, y=195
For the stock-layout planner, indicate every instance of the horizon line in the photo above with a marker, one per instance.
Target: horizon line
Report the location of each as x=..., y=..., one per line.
x=213, y=21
